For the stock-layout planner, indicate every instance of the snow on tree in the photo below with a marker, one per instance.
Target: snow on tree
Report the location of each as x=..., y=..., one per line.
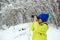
x=14, y=12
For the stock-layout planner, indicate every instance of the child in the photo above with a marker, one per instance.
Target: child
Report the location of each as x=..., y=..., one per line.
x=39, y=27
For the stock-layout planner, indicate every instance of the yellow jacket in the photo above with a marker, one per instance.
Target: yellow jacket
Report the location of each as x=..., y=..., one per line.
x=39, y=31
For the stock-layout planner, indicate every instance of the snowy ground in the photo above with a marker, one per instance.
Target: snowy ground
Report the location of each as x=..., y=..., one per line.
x=22, y=32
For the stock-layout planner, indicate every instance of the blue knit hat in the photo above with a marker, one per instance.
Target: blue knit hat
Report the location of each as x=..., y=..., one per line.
x=44, y=17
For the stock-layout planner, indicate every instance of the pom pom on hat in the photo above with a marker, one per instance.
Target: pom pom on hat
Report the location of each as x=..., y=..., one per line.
x=49, y=15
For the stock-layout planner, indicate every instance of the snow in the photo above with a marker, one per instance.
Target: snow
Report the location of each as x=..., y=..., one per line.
x=53, y=33
x=22, y=32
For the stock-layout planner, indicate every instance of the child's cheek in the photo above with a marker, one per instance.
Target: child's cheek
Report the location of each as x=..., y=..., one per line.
x=40, y=20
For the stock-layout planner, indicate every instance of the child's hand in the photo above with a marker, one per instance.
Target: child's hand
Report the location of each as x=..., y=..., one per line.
x=35, y=18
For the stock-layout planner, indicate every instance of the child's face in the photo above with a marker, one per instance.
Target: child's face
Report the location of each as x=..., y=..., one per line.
x=36, y=19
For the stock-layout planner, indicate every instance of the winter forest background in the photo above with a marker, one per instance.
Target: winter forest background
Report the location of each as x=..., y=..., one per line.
x=13, y=12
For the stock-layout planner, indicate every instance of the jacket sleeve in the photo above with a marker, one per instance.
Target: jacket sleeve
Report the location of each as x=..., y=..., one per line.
x=32, y=27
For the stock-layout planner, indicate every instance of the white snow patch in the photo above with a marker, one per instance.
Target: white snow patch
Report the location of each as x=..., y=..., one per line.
x=22, y=32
